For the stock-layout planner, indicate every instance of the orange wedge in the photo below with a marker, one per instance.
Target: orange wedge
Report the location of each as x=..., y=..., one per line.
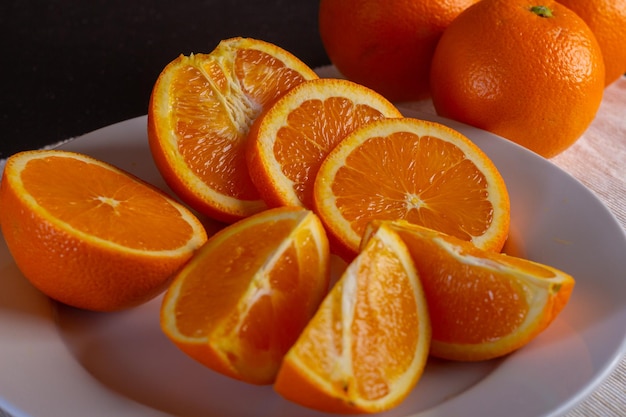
x=482, y=304
x=90, y=235
x=241, y=302
x=288, y=143
x=420, y=171
x=200, y=112
x=367, y=345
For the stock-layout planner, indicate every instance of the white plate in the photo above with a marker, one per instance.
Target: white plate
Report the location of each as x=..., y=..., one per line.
x=59, y=361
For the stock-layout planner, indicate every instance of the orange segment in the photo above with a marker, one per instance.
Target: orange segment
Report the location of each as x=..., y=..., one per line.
x=90, y=235
x=288, y=143
x=482, y=304
x=367, y=345
x=200, y=112
x=416, y=170
x=242, y=301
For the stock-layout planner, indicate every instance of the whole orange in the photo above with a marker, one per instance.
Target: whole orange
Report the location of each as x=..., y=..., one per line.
x=386, y=45
x=607, y=20
x=532, y=74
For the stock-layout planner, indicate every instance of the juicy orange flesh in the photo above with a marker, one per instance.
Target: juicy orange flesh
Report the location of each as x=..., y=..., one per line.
x=312, y=130
x=384, y=329
x=105, y=204
x=211, y=122
x=424, y=180
x=464, y=297
x=386, y=323
x=263, y=77
x=195, y=103
x=220, y=277
x=275, y=320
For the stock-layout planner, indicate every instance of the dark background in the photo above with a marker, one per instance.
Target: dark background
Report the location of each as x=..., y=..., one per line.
x=69, y=67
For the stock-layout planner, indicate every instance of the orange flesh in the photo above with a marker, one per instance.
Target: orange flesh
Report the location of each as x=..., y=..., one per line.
x=312, y=130
x=201, y=95
x=232, y=258
x=430, y=187
x=474, y=323
x=264, y=78
x=105, y=204
x=384, y=329
x=385, y=325
x=465, y=298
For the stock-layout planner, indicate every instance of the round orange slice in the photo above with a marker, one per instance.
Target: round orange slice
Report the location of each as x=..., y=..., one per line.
x=366, y=347
x=200, y=112
x=89, y=234
x=420, y=171
x=288, y=143
x=241, y=302
x=482, y=304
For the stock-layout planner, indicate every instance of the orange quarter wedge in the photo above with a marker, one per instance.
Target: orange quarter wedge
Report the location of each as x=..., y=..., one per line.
x=482, y=304
x=241, y=302
x=366, y=347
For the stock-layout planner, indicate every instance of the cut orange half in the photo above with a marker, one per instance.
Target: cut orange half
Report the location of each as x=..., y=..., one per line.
x=200, y=112
x=288, y=143
x=420, y=171
x=366, y=347
x=89, y=234
x=482, y=304
x=241, y=302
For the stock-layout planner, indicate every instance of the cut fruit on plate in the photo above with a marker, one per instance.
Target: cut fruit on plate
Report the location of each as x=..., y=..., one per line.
x=200, y=112
x=482, y=304
x=241, y=302
x=419, y=171
x=288, y=142
x=89, y=234
x=366, y=347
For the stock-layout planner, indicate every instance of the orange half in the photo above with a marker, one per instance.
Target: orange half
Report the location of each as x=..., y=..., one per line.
x=410, y=169
x=199, y=116
x=89, y=234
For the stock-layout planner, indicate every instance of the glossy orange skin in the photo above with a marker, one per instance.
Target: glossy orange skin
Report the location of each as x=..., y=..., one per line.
x=607, y=20
x=386, y=45
x=537, y=81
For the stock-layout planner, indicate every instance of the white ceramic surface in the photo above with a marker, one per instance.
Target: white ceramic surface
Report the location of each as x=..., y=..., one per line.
x=60, y=361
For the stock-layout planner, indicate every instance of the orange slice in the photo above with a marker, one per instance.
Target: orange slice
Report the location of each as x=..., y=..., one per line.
x=90, y=235
x=288, y=143
x=482, y=304
x=367, y=345
x=420, y=171
x=200, y=112
x=242, y=301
